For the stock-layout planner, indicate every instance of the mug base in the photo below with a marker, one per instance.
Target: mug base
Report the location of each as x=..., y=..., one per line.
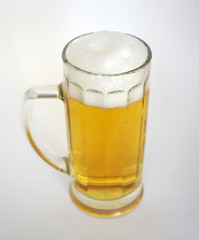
x=111, y=208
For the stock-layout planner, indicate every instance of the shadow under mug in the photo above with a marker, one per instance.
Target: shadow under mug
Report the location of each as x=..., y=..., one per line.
x=106, y=128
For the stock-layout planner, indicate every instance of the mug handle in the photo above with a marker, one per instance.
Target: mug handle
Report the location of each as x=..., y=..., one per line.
x=36, y=93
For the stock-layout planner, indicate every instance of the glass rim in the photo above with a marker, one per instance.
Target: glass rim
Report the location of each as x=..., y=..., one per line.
x=142, y=66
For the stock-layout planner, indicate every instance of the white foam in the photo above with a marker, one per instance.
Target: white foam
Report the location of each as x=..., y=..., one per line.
x=106, y=52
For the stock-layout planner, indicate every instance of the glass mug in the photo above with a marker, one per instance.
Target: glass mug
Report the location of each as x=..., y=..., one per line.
x=106, y=118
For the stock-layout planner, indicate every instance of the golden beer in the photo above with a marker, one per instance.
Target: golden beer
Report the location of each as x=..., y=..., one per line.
x=105, y=92
x=107, y=148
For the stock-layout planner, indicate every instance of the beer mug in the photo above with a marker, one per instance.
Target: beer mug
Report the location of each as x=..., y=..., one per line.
x=105, y=93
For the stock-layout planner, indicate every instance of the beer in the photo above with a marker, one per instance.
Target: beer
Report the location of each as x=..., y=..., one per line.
x=107, y=148
x=105, y=92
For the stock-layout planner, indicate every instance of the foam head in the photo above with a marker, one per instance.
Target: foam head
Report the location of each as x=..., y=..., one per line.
x=103, y=55
x=107, y=52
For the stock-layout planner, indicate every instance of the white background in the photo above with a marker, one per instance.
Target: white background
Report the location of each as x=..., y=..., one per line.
x=34, y=199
